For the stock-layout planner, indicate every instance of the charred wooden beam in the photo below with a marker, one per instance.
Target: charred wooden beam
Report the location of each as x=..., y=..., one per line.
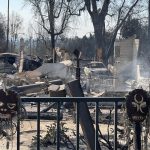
x=75, y=90
x=32, y=88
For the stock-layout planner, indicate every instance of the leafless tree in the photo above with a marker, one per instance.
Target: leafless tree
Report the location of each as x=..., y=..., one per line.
x=42, y=38
x=99, y=11
x=15, y=28
x=54, y=16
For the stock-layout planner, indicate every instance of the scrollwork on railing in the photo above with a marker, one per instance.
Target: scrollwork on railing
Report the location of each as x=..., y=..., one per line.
x=137, y=105
x=8, y=103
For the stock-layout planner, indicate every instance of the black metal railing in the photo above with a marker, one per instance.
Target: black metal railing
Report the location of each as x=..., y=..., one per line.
x=115, y=101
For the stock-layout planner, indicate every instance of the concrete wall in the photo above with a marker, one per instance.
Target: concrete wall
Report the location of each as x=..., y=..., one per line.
x=126, y=61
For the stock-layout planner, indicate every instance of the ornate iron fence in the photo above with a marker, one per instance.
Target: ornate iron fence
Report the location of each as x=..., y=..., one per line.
x=113, y=101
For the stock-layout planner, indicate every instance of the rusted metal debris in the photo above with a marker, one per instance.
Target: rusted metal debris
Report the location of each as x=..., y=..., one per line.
x=9, y=63
x=32, y=88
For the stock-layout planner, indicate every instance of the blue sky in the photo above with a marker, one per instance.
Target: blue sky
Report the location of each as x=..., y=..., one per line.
x=17, y=6
x=83, y=27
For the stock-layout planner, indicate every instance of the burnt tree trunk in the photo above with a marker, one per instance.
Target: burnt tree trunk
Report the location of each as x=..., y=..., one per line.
x=52, y=29
x=98, y=25
x=98, y=20
x=53, y=47
x=98, y=16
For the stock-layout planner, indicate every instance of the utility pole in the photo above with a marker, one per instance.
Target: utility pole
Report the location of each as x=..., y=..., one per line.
x=149, y=20
x=30, y=44
x=7, y=46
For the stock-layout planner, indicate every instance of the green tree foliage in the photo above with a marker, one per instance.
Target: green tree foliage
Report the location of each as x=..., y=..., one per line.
x=131, y=27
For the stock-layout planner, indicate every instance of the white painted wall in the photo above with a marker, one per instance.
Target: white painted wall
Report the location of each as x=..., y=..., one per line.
x=126, y=63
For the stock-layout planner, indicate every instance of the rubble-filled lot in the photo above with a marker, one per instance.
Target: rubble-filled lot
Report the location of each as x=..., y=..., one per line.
x=106, y=118
x=29, y=126
x=50, y=80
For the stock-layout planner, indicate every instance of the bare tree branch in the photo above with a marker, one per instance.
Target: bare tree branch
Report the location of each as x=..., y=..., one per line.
x=94, y=6
x=73, y=12
x=88, y=6
x=119, y=24
x=60, y=9
x=104, y=10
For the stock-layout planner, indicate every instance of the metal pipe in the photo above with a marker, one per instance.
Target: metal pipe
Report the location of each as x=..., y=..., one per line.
x=115, y=125
x=96, y=125
x=77, y=125
x=137, y=136
x=18, y=125
x=7, y=27
x=58, y=125
x=38, y=125
x=104, y=100
x=78, y=69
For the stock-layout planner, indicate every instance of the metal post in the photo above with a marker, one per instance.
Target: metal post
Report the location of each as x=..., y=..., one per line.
x=78, y=69
x=58, y=125
x=18, y=125
x=77, y=104
x=38, y=125
x=115, y=126
x=30, y=44
x=96, y=125
x=77, y=125
x=77, y=53
x=137, y=136
x=137, y=113
x=7, y=27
